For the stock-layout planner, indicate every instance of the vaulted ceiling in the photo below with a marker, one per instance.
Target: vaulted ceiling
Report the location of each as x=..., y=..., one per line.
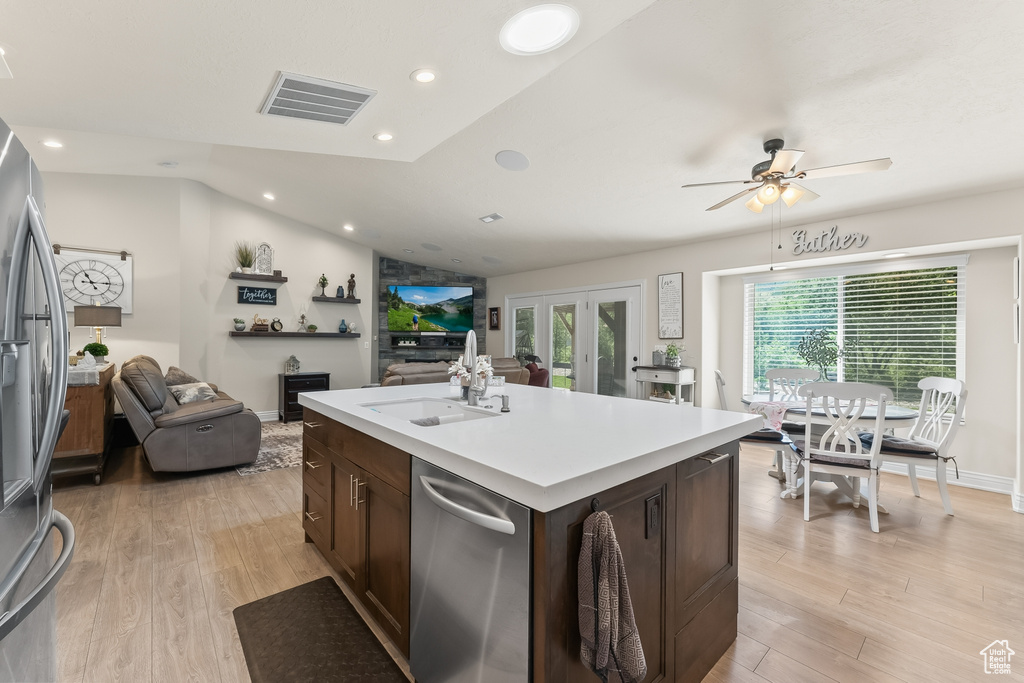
x=646, y=97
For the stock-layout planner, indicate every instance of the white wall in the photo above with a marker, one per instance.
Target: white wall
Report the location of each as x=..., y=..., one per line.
x=181, y=234
x=713, y=334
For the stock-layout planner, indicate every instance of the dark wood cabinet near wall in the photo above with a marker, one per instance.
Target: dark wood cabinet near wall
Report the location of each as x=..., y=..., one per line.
x=290, y=385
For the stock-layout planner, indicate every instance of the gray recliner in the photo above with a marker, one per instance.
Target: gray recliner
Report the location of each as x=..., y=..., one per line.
x=218, y=432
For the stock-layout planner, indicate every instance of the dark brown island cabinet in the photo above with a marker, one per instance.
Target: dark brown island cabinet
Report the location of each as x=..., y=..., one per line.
x=677, y=528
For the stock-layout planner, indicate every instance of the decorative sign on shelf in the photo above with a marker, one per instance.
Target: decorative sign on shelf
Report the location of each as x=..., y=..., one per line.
x=827, y=240
x=257, y=295
x=264, y=261
x=670, y=306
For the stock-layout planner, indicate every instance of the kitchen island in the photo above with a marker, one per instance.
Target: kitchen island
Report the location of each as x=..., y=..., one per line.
x=667, y=475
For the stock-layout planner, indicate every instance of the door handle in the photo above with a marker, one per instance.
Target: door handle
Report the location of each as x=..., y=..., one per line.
x=498, y=524
x=312, y=466
x=311, y=425
x=312, y=518
x=10, y=620
x=358, y=484
x=714, y=457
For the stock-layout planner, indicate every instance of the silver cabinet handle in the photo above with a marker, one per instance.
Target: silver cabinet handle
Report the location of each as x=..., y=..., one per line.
x=311, y=465
x=498, y=524
x=312, y=518
x=358, y=484
x=351, y=486
x=714, y=457
x=311, y=425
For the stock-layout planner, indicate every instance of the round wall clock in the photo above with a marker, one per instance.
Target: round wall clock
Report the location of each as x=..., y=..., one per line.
x=91, y=277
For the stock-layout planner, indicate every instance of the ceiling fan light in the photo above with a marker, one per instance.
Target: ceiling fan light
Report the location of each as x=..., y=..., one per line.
x=791, y=195
x=769, y=192
x=754, y=204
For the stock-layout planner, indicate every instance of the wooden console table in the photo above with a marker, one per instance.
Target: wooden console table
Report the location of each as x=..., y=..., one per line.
x=85, y=444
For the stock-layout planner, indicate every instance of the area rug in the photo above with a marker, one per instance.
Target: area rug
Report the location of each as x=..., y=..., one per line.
x=311, y=633
x=280, y=446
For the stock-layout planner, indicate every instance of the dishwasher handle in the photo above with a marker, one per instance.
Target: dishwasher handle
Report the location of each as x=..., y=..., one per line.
x=498, y=524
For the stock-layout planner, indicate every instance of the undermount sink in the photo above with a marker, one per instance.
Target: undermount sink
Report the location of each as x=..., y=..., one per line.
x=419, y=408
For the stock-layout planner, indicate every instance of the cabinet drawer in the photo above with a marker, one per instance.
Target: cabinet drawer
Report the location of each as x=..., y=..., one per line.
x=382, y=460
x=316, y=516
x=682, y=375
x=316, y=468
x=314, y=425
x=314, y=384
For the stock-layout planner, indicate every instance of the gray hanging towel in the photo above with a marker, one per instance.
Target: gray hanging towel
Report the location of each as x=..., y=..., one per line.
x=610, y=644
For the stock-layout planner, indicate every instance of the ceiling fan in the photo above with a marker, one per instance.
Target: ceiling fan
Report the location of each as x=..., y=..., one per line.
x=772, y=179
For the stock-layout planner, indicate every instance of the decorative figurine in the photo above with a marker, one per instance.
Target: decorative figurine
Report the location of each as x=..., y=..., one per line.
x=351, y=286
x=323, y=284
x=302, y=322
x=291, y=366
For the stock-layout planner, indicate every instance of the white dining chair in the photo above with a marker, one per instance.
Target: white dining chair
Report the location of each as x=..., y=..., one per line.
x=840, y=450
x=938, y=419
x=784, y=383
x=769, y=438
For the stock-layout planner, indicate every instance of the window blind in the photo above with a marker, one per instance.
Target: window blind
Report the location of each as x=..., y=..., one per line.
x=889, y=327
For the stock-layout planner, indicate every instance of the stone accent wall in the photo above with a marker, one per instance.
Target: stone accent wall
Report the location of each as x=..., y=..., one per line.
x=394, y=272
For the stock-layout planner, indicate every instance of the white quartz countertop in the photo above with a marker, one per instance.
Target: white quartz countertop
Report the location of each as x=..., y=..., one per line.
x=553, y=448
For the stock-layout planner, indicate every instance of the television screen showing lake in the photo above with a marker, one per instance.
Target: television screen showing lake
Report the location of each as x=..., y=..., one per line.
x=429, y=309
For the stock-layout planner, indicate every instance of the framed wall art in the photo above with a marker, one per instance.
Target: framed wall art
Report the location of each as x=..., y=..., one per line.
x=493, y=318
x=670, y=306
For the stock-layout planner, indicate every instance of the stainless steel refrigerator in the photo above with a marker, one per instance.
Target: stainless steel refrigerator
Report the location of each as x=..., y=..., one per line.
x=33, y=379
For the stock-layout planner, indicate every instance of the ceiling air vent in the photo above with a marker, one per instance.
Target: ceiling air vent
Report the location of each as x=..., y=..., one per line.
x=305, y=97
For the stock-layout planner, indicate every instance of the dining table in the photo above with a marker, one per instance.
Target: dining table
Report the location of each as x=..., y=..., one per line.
x=896, y=417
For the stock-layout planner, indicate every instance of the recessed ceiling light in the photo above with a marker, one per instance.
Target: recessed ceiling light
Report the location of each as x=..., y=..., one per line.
x=512, y=160
x=383, y=137
x=348, y=227
x=491, y=218
x=456, y=260
x=422, y=75
x=899, y=254
x=53, y=143
x=539, y=29
x=407, y=251
x=269, y=197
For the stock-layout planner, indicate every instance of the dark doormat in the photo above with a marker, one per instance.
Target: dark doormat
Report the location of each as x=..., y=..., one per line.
x=311, y=633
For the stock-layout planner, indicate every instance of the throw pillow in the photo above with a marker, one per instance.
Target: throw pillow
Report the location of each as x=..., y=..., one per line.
x=190, y=393
x=178, y=376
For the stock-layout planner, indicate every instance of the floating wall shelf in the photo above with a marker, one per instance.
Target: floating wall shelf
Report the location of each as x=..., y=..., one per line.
x=254, y=277
x=336, y=300
x=293, y=335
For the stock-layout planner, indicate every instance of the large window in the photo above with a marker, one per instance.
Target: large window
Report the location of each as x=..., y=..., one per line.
x=881, y=323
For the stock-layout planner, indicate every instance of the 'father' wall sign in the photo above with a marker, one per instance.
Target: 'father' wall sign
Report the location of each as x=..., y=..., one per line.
x=257, y=295
x=828, y=240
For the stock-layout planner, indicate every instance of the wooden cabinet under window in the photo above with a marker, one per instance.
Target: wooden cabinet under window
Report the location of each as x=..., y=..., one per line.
x=290, y=385
x=363, y=486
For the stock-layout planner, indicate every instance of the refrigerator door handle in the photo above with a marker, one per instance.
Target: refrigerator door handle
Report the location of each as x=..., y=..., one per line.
x=59, y=334
x=10, y=620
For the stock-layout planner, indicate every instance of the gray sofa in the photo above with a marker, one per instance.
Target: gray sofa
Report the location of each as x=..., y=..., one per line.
x=218, y=432
x=432, y=373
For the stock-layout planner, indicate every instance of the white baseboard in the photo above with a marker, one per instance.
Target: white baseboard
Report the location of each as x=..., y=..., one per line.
x=267, y=415
x=971, y=480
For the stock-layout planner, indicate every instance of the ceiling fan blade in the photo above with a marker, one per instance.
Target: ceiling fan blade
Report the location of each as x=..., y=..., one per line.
x=722, y=182
x=846, y=169
x=785, y=160
x=733, y=198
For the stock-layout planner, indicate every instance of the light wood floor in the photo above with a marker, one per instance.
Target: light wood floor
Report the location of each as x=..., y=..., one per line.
x=162, y=560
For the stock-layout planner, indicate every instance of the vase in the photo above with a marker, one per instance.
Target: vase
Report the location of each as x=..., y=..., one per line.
x=674, y=361
x=657, y=358
x=246, y=270
x=239, y=327
x=342, y=327
x=340, y=293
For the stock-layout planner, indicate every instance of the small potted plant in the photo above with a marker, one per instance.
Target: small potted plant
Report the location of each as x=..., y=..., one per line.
x=98, y=351
x=322, y=282
x=672, y=356
x=239, y=325
x=311, y=328
x=245, y=254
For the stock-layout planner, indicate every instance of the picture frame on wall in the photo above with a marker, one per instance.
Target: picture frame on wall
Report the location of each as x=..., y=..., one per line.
x=670, y=306
x=493, y=318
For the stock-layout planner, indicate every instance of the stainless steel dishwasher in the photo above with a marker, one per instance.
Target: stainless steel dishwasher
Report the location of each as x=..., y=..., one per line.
x=470, y=592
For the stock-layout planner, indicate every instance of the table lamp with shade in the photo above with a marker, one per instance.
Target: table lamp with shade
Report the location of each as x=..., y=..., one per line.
x=98, y=317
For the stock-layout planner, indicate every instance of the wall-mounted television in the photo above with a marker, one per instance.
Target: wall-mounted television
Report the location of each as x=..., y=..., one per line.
x=429, y=309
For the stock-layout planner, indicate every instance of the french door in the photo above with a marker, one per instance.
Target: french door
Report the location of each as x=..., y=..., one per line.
x=588, y=340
